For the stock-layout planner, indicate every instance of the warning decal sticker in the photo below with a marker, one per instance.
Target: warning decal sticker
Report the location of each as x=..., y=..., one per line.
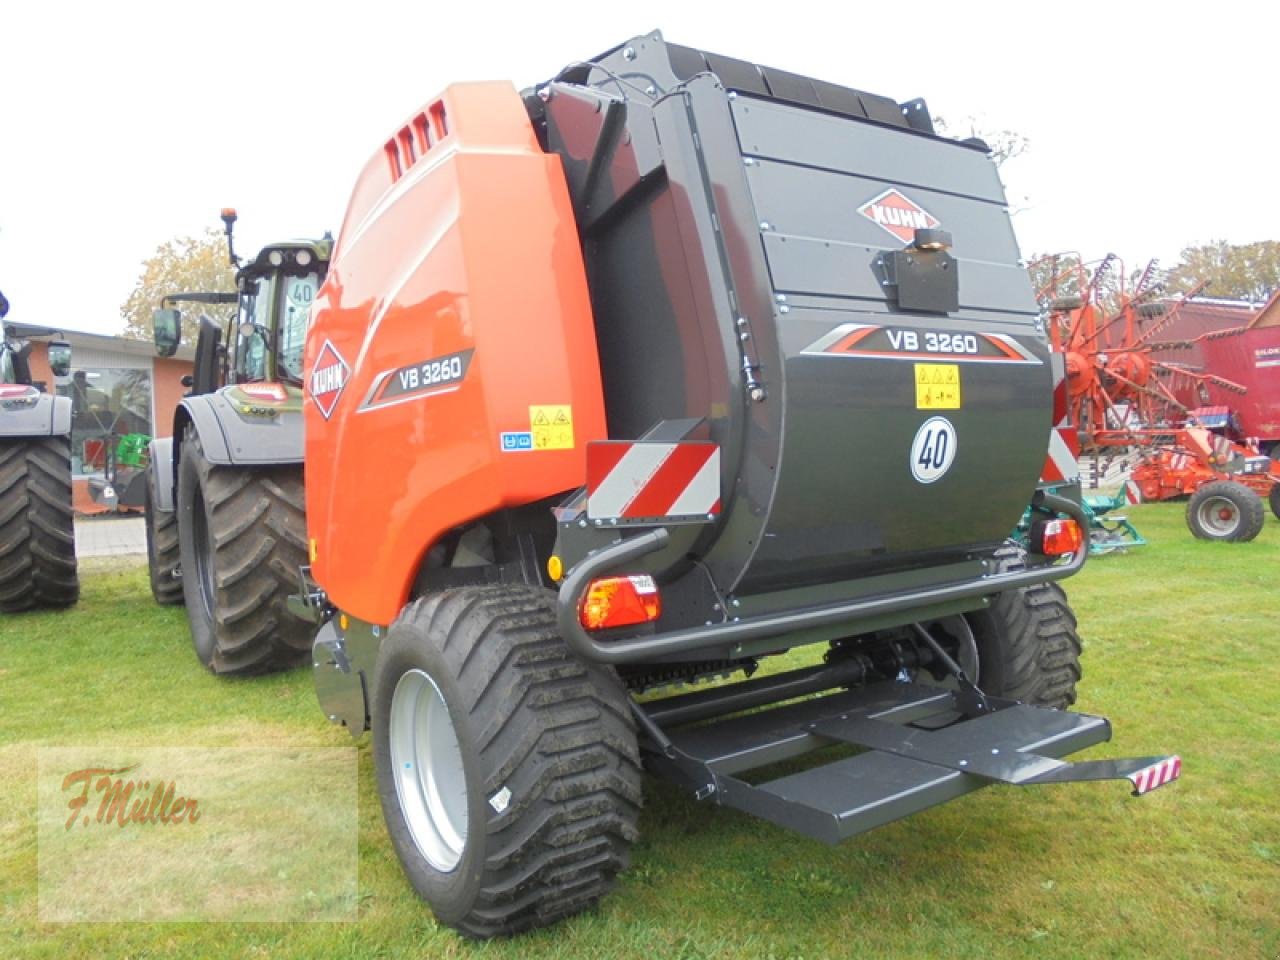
x=937, y=386
x=551, y=426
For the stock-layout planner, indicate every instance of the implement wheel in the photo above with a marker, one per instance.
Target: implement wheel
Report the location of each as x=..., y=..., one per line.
x=1274, y=499
x=242, y=538
x=1027, y=644
x=508, y=769
x=162, y=547
x=37, y=527
x=1225, y=510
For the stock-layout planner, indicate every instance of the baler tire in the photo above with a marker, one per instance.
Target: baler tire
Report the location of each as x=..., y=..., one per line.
x=241, y=540
x=1028, y=646
x=1247, y=505
x=162, y=547
x=1274, y=499
x=544, y=761
x=37, y=525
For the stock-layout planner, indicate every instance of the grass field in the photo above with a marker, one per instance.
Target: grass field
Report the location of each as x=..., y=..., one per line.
x=1182, y=653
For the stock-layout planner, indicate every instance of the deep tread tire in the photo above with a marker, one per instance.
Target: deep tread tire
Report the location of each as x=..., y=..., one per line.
x=1028, y=646
x=251, y=543
x=37, y=526
x=1247, y=504
x=1274, y=499
x=532, y=718
x=162, y=547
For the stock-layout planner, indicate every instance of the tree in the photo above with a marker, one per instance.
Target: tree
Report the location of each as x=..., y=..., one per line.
x=183, y=264
x=1249, y=271
x=1003, y=144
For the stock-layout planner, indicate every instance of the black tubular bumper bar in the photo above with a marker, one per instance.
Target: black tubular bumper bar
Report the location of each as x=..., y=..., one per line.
x=617, y=555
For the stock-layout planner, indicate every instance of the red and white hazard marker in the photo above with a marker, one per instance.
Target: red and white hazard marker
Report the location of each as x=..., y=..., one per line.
x=1061, y=465
x=652, y=481
x=1156, y=775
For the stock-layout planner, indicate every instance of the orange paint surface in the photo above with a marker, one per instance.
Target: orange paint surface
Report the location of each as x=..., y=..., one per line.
x=465, y=249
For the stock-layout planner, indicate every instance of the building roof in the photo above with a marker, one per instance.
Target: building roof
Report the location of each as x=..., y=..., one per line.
x=96, y=341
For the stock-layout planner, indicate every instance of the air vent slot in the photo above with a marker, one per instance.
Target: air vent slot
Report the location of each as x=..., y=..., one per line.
x=416, y=139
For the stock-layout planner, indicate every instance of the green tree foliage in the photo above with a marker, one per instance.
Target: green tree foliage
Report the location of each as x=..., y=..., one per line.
x=1249, y=271
x=184, y=264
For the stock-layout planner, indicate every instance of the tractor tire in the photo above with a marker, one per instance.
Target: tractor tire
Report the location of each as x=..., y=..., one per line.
x=241, y=540
x=1274, y=499
x=1027, y=644
x=162, y=547
x=508, y=769
x=37, y=526
x=1225, y=510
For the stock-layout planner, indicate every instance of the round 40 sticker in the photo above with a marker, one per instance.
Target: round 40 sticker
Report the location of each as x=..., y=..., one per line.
x=933, y=449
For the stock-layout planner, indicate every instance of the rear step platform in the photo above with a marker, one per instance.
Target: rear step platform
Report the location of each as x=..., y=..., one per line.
x=918, y=750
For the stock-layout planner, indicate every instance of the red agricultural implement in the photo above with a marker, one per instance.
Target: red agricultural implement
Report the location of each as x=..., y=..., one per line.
x=1122, y=396
x=1245, y=348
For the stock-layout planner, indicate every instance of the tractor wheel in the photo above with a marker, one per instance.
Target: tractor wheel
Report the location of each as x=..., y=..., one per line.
x=507, y=768
x=1274, y=499
x=1027, y=645
x=162, y=546
x=241, y=540
x=1225, y=510
x=37, y=527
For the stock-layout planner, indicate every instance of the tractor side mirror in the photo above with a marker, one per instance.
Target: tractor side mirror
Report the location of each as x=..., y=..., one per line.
x=167, y=327
x=59, y=358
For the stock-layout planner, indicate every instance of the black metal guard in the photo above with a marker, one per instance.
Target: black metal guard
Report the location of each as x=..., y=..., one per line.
x=617, y=555
x=908, y=761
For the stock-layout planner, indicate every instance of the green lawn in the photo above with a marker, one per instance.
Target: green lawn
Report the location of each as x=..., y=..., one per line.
x=1182, y=652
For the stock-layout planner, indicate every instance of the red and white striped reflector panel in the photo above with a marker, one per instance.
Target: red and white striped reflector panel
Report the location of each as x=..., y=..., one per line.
x=1061, y=464
x=1156, y=775
x=636, y=482
x=1133, y=492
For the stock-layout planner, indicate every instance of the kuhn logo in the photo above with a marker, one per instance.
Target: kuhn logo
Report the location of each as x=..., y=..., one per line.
x=328, y=377
x=898, y=214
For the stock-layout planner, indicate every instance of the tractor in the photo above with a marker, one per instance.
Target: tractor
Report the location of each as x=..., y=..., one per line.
x=37, y=528
x=224, y=502
x=640, y=379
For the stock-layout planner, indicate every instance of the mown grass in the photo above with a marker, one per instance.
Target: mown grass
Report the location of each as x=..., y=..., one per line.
x=1182, y=653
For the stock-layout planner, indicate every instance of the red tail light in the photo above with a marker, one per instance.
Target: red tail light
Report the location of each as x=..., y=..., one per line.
x=10, y=391
x=619, y=602
x=1057, y=538
x=267, y=392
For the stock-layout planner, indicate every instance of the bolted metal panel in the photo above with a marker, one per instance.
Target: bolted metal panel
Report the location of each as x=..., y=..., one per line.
x=713, y=197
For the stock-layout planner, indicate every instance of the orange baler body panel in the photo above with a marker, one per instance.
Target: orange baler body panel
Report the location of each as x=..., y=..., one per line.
x=455, y=312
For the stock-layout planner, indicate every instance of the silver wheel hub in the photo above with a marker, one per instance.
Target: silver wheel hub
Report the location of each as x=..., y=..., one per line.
x=427, y=767
x=1219, y=515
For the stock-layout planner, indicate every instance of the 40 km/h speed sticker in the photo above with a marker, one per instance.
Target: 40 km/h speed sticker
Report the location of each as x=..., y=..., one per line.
x=933, y=450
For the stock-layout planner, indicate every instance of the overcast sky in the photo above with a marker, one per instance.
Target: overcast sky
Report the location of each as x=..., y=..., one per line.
x=123, y=124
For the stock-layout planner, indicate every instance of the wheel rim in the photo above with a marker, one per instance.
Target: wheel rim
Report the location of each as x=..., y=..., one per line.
x=1219, y=516
x=427, y=759
x=203, y=551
